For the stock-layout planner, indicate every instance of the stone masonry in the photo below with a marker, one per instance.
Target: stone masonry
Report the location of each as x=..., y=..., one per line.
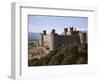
x=70, y=36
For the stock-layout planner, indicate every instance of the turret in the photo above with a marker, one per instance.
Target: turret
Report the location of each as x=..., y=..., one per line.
x=65, y=31
x=52, y=37
x=82, y=37
x=53, y=31
x=44, y=32
x=70, y=32
x=71, y=29
x=41, y=39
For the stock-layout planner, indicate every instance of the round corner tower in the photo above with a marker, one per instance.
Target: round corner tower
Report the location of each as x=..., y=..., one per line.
x=41, y=39
x=52, y=37
x=65, y=31
x=82, y=37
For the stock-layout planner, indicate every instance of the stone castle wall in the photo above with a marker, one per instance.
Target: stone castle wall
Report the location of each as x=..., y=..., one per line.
x=47, y=40
x=61, y=40
x=54, y=41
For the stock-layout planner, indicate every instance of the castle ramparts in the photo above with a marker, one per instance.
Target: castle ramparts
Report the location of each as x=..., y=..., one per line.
x=70, y=36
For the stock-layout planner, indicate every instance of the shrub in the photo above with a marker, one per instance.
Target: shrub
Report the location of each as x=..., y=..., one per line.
x=33, y=62
x=70, y=59
x=56, y=59
x=44, y=60
x=81, y=60
x=63, y=56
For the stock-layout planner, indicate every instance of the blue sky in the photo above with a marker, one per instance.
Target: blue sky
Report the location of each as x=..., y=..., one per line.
x=40, y=23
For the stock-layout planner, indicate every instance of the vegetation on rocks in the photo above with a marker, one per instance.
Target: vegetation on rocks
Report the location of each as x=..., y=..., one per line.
x=68, y=55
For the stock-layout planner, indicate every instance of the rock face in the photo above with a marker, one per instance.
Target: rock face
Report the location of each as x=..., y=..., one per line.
x=67, y=55
x=54, y=41
x=36, y=53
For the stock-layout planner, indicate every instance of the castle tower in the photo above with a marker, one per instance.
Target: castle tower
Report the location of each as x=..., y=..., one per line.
x=44, y=32
x=82, y=37
x=70, y=31
x=52, y=37
x=53, y=31
x=41, y=39
x=65, y=31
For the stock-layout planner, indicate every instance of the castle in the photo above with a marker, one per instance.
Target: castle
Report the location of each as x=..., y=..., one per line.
x=53, y=40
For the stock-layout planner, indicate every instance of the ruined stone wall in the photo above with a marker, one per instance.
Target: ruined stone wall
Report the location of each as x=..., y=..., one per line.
x=57, y=41
x=83, y=38
x=41, y=40
x=61, y=41
x=54, y=41
x=46, y=40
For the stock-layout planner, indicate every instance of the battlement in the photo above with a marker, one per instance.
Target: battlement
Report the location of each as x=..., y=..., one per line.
x=53, y=40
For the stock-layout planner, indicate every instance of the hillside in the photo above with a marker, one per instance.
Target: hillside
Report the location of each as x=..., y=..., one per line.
x=68, y=55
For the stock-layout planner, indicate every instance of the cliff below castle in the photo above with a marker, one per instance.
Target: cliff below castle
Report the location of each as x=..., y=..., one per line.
x=68, y=55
